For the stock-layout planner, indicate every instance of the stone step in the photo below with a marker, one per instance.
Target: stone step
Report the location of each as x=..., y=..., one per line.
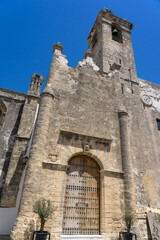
x=4, y=237
x=82, y=237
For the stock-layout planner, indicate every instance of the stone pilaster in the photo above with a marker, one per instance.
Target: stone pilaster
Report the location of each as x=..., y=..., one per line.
x=34, y=182
x=102, y=202
x=126, y=159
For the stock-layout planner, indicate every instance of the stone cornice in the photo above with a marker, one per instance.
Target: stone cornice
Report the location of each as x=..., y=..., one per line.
x=110, y=173
x=54, y=166
x=109, y=22
x=16, y=96
x=21, y=138
x=122, y=113
x=86, y=136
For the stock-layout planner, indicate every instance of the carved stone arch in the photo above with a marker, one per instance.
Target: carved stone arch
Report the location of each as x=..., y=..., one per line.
x=81, y=212
x=3, y=111
x=99, y=162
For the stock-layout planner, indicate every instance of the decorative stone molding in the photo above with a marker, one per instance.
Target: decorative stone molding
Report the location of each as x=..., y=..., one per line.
x=54, y=157
x=122, y=113
x=86, y=147
x=17, y=137
x=35, y=85
x=54, y=166
x=87, y=138
x=114, y=174
x=48, y=91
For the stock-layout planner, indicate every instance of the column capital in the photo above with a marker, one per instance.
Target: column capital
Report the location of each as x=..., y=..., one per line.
x=48, y=91
x=122, y=113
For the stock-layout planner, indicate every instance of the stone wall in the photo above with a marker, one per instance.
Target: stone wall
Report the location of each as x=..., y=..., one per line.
x=14, y=103
x=82, y=110
x=79, y=106
x=16, y=131
x=18, y=157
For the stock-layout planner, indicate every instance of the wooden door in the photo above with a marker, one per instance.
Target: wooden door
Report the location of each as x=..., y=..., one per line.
x=81, y=207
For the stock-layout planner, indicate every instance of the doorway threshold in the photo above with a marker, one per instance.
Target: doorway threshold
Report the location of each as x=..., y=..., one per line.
x=81, y=237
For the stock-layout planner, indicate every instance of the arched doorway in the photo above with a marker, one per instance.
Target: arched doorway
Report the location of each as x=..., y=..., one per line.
x=82, y=197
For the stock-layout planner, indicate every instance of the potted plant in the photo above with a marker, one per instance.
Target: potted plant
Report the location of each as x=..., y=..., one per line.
x=129, y=218
x=44, y=210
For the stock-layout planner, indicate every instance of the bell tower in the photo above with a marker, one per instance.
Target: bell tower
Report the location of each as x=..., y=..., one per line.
x=110, y=42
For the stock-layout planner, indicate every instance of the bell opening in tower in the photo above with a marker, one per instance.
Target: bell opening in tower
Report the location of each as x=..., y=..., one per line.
x=117, y=34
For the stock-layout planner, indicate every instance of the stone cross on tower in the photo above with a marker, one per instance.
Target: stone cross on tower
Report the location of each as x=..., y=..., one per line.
x=35, y=85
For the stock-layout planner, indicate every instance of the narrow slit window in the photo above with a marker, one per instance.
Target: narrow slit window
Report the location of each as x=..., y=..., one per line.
x=122, y=88
x=158, y=124
x=94, y=40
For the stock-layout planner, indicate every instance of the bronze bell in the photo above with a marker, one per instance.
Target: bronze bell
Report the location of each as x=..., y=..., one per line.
x=115, y=31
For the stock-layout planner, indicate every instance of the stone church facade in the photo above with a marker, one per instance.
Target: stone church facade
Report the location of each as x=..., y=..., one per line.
x=89, y=143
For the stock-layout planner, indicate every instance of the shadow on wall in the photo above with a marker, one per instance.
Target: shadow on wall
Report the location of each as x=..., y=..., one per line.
x=8, y=215
x=11, y=143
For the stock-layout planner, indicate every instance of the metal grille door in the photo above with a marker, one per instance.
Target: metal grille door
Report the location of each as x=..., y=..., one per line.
x=81, y=207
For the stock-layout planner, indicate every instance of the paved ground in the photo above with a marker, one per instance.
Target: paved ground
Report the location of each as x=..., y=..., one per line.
x=4, y=237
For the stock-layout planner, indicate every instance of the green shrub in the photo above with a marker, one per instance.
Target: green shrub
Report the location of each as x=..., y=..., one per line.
x=129, y=217
x=44, y=210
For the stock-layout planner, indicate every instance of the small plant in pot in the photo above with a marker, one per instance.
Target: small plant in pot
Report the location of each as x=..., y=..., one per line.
x=129, y=218
x=44, y=210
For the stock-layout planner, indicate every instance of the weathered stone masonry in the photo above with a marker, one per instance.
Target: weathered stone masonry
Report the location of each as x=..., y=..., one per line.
x=21, y=113
x=99, y=111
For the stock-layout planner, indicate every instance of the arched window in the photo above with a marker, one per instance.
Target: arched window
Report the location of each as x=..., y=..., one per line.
x=2, y=113
x=82, y=197
x=117, y=34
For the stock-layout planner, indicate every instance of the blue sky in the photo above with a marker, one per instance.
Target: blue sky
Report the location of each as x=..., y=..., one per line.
x=29, y=28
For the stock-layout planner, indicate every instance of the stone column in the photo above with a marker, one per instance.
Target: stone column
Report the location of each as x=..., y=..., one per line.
x=126, y=159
